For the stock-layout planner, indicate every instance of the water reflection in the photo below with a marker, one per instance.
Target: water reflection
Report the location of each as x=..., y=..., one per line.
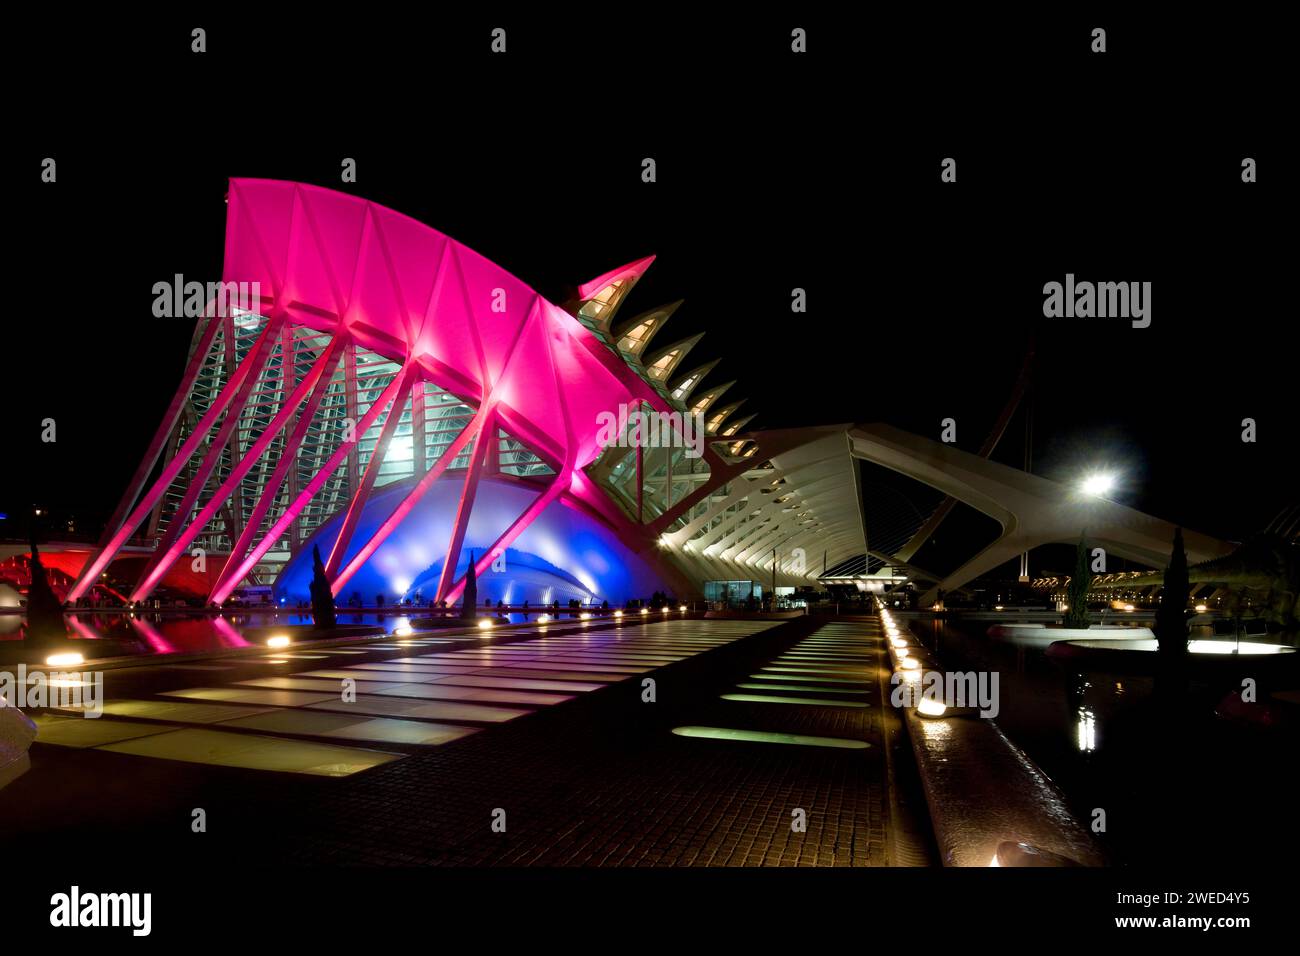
x=1086, y=730
x=127, y=634
x=1108, y=739
x=121, y=634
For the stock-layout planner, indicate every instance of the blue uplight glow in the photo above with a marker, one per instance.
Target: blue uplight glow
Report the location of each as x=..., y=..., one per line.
x=564, y=554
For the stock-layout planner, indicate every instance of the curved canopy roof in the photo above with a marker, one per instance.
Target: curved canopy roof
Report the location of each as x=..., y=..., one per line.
x=340, y=264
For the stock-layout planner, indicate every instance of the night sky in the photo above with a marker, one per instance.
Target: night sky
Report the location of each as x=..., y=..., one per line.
x=774, y=172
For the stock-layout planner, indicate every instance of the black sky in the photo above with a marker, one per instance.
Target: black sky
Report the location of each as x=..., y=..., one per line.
x=774, y=172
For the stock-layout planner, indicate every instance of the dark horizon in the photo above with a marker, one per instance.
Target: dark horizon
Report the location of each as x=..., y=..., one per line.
x=299, y=695
x=922, y=296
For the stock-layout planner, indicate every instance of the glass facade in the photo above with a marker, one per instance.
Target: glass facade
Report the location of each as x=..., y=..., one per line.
x=732, y=593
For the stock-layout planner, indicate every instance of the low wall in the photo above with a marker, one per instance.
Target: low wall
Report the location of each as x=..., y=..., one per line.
x=982, y=790
x=1037, y=635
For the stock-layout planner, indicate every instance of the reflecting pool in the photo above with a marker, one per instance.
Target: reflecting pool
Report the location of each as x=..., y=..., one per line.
x=1151, y=764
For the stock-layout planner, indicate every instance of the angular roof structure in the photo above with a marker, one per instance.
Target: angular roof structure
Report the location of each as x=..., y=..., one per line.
x=382, y=354
x=375, y=280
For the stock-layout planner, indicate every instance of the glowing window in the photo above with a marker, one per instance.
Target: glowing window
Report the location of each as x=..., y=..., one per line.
x=636, y=337
x=659, y=371
x=681, y=391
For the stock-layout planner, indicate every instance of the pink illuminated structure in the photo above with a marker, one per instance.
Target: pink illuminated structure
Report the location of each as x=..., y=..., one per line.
x=397, y=399
x=381, y=349
x=390, y=390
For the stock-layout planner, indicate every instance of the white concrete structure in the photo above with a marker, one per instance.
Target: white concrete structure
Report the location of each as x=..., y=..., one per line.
x=796, y=501
x=1040, y=635
x=1031, y=510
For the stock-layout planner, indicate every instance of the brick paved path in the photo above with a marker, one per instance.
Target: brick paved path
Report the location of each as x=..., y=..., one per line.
x=603, y=781
x=596, y=780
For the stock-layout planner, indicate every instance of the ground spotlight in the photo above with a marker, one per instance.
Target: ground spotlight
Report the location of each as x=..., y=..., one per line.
x=1010, y=853
x=931, y=708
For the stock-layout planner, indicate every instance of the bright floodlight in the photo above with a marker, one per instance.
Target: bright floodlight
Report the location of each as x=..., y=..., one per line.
x=279, y=640
x=1098, y=484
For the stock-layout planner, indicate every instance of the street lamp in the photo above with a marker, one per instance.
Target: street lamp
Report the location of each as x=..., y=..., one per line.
x=1098, y=484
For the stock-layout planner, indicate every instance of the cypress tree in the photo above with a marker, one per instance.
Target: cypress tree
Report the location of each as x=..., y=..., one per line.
x=1076, y=611
x=1171, y=618
x=469, y=602
x=44, y=610
x=322, y=596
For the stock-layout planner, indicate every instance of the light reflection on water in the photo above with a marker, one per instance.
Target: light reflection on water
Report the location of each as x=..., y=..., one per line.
x=120, y=634
x=1087, y=701
x=1110, y=740
x=1087, y=730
